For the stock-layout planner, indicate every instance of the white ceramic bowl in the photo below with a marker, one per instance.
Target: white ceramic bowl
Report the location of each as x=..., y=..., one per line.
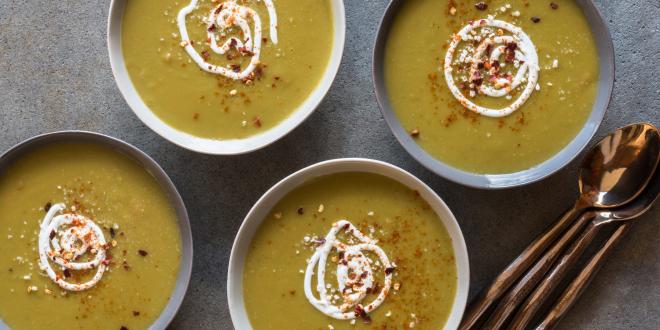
x=261, y=209
x=213, y=146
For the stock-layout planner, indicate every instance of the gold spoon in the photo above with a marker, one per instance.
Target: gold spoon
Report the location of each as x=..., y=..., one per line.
x=576, y=288
x=612, y=174
x=599, y=219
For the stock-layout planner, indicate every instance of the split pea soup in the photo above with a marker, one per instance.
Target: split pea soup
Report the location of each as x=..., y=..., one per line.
x=88, y=240
x=350, y=251
x=226, y=69
x=491, y=87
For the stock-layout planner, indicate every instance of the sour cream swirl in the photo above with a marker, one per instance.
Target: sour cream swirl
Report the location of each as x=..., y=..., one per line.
x=492, y=46
x=221, y=18
x=63, y=239
x=355, y=274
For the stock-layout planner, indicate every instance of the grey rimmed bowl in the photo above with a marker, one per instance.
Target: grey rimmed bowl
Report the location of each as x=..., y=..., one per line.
x=499, y=181
x=152, y=168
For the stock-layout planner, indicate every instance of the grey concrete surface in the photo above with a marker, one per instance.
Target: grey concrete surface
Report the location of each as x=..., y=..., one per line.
x=55, y=75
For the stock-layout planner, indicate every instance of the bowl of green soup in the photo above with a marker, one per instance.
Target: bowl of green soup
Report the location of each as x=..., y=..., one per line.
x=493, y=94
x=348, y=244
x=94, y=236
x=225, y=77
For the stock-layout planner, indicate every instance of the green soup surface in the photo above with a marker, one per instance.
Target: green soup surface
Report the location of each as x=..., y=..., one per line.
x=556, y=111
x=138, y=224
x=408, y=231
x=213, y=106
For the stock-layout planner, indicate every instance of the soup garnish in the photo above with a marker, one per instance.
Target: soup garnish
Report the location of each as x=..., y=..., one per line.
x=355, y=273
x=221, y=20
x=66, y=238
x=482, y=67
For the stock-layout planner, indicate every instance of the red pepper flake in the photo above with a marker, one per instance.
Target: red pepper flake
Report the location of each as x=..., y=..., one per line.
x=359, y=311
x=511, y=46
x=67, y=273
x=236, y=68
x=245, y=51
x=476, y=78
x=481, y=5
x=143, y=253
x=258, y=72
x=112, y=232
x=511, y=52
x=123, y=328
x=389, y=270
x=136, y=313
x=205, y=54
x=301, y=211
x=257, y=121
x=211, y=28
x=52, y=235
x=48, y=206
x=536, y=19
x=554, y=5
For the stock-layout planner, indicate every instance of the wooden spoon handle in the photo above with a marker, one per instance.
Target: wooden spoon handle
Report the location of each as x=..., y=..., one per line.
x=524, y=286
x=550, y=282
x=582, y=280
x=513, y=272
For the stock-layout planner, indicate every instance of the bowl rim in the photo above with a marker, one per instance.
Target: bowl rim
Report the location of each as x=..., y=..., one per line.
x=148, y=164
x=559, y=160
x=216, y=146
x=259, y=211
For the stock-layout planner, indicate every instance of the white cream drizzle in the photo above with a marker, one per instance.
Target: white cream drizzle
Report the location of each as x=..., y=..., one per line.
x=525, y=55
x=353, y=261
x=222, y=17
x=66, y=237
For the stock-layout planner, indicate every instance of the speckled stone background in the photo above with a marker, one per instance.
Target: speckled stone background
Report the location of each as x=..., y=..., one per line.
x=55, y=75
